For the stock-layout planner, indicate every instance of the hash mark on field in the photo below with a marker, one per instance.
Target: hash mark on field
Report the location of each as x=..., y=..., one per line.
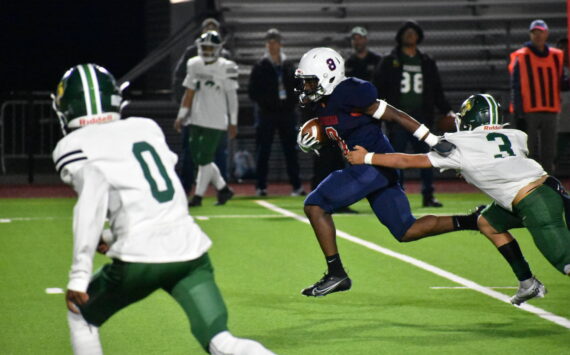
x=561, y=321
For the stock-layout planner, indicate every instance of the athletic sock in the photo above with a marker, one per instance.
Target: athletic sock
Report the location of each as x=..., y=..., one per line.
x=217, y=178
x=465, y=222
x=84, y=337
x=203, y=179
x=513, y=254
x=335, y=265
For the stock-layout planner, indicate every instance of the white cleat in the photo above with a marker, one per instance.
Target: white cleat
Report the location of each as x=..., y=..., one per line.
x=535, y=290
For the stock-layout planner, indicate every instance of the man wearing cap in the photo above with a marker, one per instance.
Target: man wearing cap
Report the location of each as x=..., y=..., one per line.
x=362, y=61
x=272, y=89
x=409, y=79
x=178, y=90
x=536, y=79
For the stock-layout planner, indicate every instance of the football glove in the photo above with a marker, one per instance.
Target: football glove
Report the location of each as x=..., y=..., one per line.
x=443, y=147
x=308, y=143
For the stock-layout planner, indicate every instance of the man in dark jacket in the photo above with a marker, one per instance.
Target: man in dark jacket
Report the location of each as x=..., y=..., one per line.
x=272, y=88
x=409, y=79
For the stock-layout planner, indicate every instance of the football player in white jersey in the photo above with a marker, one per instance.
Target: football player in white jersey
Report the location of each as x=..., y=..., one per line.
x=123, y=170
x=210, y=107
x=494, y=159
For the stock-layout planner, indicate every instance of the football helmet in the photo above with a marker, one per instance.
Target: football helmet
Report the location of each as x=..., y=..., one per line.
x=209, y=46
x=478, y=110
x=86, y=94
x=323, y=69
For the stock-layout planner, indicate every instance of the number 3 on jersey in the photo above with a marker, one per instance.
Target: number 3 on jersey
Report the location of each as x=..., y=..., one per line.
x=505, y=147
x=160, y=195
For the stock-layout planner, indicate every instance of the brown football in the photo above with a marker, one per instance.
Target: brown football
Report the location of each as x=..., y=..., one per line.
x=314, y=128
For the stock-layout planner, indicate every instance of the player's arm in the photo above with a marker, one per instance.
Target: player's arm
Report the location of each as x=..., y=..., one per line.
x=231, y=96
x=384, y=111
x=390, y=160
x=88, y=219
x=185, y=107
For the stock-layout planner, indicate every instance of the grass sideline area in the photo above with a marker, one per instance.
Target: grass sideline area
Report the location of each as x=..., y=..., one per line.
x=263, y=259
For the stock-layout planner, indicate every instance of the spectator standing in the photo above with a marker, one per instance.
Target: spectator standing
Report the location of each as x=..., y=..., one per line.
x=564, y=120
x=178, y=90
x=409, y=79
x=536, y=71
x=272, y=89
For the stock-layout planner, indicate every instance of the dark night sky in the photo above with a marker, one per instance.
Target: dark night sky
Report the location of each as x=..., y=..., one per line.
x=40, y=40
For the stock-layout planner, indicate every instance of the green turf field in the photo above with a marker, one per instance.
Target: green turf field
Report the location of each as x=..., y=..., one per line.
x=263, y=259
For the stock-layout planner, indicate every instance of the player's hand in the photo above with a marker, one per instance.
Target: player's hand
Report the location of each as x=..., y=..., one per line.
x=356, y=156
x=74, y=299
x=178, y=125
x=307, y=143
x=103, y=247
x=443, y=147
x=232, y=131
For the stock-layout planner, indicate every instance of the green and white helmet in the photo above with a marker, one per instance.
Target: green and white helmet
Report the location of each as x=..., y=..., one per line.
x=479, y=110
x=87, y=94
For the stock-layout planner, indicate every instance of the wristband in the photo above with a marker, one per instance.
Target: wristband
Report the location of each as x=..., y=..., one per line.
x=431, y=139
x=381, y=109
x=182, y=113
x=368, y=158
x=421, y=132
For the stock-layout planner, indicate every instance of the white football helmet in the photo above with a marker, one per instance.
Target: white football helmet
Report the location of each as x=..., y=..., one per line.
x=209, y=46
x=325, y=66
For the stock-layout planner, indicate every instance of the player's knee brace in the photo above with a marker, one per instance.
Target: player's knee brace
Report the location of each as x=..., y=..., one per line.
x=225, y=343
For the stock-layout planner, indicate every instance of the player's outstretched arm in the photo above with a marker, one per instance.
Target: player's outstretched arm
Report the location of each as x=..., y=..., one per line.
x=391, y=160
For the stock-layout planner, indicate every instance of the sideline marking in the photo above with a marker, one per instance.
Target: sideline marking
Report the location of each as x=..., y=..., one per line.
x=563, y=322
x=467, y=288
x=54, y=290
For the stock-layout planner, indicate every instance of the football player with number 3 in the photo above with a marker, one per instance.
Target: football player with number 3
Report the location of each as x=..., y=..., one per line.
x=123, y=170
x=495, y=160
x=350, y=113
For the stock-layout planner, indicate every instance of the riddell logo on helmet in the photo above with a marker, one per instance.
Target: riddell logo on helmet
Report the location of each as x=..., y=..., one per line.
x=97, y=119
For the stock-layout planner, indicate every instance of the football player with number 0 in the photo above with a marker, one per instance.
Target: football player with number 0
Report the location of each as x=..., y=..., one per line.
x=123, y=170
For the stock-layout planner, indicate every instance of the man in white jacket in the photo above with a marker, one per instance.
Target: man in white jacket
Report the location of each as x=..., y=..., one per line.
x=123, y=171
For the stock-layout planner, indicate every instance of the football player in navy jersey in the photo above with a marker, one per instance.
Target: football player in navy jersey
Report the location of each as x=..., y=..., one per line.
x=350, y=113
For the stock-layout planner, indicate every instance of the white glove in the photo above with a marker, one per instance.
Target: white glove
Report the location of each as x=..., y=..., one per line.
x=308, y=142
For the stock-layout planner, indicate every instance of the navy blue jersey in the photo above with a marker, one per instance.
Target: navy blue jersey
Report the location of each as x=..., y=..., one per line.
x=342, y=123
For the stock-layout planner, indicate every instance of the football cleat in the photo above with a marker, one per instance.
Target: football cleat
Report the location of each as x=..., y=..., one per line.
x=224, y=195
x=536, y=289
x=431, y=201
x=195, y=202
x=328, y=284
x=261, y=192
x=298, y=192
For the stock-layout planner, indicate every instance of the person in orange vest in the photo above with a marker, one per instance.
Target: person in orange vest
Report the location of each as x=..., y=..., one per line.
x=536, y=80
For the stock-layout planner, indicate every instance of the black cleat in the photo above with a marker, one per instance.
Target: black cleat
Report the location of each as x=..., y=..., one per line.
x=224, y=195
x=328, y=284
x=431, y=202
x=196, y=201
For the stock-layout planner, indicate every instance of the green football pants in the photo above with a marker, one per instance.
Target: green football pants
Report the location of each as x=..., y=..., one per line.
x=191, y=283
x=542, y=213
x=203, y=143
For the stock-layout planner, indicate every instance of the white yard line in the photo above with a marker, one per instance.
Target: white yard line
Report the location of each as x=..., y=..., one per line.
x=564, y=322
x=467, y=288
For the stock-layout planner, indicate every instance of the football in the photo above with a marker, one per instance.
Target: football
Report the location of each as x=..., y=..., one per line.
x=314, y=129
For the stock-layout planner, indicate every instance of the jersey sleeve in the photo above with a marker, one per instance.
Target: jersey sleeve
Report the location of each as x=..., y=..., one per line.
x=88, y=220
x=68, y=158
x=190, y=79
x=362, y=95
x=231, y=76
x=452, y=161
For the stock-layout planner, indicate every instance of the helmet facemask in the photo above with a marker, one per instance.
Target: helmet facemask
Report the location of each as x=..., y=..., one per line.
x=209, y=46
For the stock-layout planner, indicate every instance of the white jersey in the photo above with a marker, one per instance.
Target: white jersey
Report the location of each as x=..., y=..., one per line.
x=493, y=159
x=124, y=171
x=212, y=83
